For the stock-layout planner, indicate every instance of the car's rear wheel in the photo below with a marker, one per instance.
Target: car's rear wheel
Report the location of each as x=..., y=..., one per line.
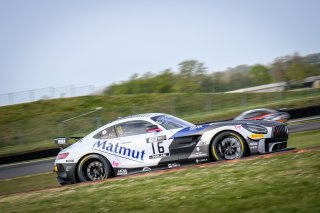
x=228, y=146
x=93, y=167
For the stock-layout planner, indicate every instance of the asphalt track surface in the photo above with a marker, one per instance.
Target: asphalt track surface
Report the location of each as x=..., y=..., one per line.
x=46, y=165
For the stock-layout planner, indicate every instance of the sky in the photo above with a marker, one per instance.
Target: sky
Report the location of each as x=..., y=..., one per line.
x=46, y=43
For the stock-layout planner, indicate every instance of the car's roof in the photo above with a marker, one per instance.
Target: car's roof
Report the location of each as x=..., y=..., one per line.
x=144, y=115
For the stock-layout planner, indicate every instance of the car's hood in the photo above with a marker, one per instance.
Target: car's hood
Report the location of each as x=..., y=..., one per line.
x=200, y=129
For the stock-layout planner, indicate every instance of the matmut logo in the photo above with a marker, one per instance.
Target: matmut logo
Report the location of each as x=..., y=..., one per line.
x=120, y=151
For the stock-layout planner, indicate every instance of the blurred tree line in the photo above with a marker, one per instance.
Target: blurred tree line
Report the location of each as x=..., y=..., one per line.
x=192, y=76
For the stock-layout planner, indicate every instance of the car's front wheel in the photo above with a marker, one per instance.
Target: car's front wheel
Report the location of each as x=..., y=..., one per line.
x=93, y=167
x=228, y=146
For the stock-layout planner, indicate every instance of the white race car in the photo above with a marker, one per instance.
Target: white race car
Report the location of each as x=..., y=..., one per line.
x=146, y=142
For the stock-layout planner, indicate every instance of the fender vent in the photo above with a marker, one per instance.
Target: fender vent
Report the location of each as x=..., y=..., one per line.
x=188, y=139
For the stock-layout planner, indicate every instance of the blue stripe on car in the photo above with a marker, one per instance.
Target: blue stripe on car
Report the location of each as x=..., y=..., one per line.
x=193, y=130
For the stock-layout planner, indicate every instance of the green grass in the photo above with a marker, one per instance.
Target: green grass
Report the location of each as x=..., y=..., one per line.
x=304, y=139
x=27, y=183
x=281, y=183
x=31, y=126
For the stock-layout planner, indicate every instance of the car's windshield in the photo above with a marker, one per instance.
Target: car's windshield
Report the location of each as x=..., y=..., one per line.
x=171, y=122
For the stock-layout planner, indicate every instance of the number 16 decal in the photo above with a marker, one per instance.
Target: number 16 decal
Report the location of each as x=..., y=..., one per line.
x=159, y=150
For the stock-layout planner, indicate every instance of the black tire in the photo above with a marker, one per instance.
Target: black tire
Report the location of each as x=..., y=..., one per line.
x=228, y=146
x=93, y=167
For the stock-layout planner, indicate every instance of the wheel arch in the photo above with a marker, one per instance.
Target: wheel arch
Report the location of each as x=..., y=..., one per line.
x=93, y=153
x=246, y=145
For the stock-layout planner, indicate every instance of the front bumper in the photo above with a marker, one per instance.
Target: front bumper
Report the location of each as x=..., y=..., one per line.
x=273, y=145
x=275, y=142
x=267, y=145
x=66, y=173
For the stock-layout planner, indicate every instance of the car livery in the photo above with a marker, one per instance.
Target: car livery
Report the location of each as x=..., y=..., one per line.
x=146, y=142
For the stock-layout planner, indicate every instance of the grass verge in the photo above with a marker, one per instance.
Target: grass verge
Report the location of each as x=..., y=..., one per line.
x=282, y=183
x=27, y=183
x=304, y=139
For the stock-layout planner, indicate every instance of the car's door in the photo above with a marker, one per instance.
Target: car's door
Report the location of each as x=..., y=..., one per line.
x=140, y=145
x=105, y=142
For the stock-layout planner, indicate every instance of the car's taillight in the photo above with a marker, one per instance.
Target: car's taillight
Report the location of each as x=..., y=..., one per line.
x=62, y=155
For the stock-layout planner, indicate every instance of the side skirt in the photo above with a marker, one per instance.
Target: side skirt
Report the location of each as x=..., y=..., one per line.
x=119, y=171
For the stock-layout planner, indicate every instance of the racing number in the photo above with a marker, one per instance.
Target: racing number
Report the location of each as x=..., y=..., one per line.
x=160, y=148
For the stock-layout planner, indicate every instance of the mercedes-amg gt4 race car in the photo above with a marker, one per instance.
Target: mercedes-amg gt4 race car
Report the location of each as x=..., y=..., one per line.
x=153, y=141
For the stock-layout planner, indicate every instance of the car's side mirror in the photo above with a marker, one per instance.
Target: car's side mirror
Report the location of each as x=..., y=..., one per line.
x=153, y=128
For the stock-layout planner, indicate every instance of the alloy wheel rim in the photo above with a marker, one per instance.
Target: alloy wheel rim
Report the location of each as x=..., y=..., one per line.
x=95, y=171
x=229, y=148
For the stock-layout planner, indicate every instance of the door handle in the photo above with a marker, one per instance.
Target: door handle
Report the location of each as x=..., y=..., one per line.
x=125, y=142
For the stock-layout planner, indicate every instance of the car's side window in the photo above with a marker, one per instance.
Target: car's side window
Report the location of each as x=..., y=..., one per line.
x=132, y=128
x=107, y=133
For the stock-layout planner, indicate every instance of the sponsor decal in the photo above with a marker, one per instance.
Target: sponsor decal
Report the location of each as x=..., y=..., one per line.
x=118, y=150
x=253, y=145
x=115, y=164
x=160, y=155
x=237, y=126
x=152, y=140
x=198, y=153
x=196, y=127
x=156, y=139
x=146, y=169
x=162, y=137
x=189, y=131
x=122, y=172
x=202, y=143
x=201, y=160
x=173, y=165
x=256, y=136
x=70, y=161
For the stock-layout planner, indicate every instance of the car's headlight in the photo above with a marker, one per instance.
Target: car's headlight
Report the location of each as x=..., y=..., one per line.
x=255, y=129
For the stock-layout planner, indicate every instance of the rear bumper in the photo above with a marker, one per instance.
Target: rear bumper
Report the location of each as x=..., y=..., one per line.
x=66, y=173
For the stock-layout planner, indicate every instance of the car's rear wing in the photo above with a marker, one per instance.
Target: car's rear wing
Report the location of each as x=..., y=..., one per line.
x=62, y=142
